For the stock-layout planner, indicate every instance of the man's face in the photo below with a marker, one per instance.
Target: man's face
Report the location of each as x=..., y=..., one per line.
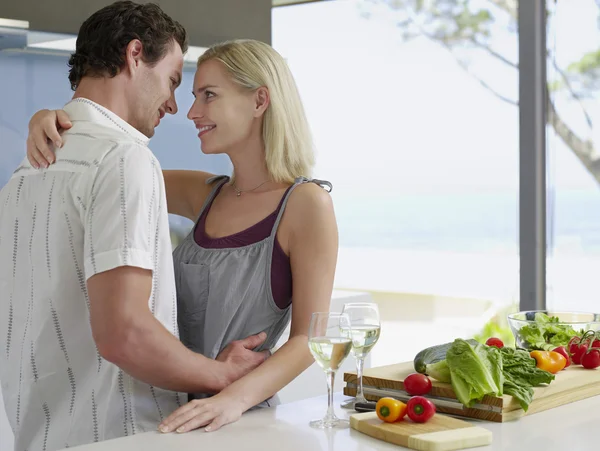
x=155, y=91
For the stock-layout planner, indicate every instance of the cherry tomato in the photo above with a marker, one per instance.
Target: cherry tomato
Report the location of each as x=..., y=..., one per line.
x=596, y=343
x=573, y=344
x=417, y=384
x=493, y=341
x=591, y=359
x=420, y=409
x=579, y=352
x=562, y=351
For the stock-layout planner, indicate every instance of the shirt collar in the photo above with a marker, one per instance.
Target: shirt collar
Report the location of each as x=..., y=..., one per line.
x=86, y=110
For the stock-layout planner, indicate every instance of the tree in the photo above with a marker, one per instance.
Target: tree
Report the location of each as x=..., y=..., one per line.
x=467, y=26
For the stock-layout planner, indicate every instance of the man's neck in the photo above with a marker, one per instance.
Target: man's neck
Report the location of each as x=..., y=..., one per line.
x=106, y=92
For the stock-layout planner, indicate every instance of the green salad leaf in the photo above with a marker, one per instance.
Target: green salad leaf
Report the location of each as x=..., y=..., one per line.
x=475, y=371
x=521, y=375
x=545, y=333
x=439, y=371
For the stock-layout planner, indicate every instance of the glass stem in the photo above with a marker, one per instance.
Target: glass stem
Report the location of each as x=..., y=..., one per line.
x=330, y=379
x=360, y=397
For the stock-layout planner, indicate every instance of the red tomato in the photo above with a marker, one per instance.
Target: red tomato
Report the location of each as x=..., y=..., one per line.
x=574, y=344
x=578, y=353
x=417, y=384
x=562, y=351
x=591, y=360
x=419, y=409
x=493, y=341
x=596, y=344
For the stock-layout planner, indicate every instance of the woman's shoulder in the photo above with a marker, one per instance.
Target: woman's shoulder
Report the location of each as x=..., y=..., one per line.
x=204, y=184
x=309, y=216
x=308, y=199
x=187, y=190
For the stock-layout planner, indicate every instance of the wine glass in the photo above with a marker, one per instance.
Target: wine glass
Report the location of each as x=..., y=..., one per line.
x=330, y=341
x=366, y=327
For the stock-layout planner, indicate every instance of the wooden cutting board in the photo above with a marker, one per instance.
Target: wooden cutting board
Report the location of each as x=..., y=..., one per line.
x=572, y=384
x=440, y=433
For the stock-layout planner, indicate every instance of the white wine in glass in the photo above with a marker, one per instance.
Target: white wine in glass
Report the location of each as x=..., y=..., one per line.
x=365, y=330
x=363, y=340
x=330, y=342
x=330, y=353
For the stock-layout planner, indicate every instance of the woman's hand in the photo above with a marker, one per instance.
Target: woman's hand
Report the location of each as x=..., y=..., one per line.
x=44, y=128
x=215, y=412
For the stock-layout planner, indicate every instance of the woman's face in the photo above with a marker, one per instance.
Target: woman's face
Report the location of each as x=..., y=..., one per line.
x=225, y=114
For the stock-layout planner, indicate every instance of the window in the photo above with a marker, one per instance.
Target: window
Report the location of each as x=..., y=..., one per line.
x=573, y=142
x=416, y=125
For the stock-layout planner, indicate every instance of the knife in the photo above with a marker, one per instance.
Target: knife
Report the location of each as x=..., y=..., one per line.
x=368, y=406
x=437, y=400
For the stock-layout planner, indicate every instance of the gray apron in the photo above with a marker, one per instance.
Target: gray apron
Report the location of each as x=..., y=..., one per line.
x=225, y=295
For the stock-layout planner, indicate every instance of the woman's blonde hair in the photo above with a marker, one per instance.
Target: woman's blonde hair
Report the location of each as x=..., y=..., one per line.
x=288, y=143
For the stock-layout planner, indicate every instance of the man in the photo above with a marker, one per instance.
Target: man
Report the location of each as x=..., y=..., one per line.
x=88, y=342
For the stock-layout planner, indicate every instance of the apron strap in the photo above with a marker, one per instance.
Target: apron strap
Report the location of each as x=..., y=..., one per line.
x=221, y=180
x=299, y=181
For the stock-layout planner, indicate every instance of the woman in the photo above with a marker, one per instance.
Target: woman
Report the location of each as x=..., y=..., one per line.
x=265, y=240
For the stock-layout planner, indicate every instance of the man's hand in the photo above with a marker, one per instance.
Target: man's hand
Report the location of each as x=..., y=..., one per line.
x=240, y=359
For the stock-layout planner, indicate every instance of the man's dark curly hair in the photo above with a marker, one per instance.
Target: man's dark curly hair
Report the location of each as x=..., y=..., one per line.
x=104, y=36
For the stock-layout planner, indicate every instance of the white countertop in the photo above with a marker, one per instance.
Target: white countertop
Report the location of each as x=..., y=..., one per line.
x=308, y=384
x=285, y=427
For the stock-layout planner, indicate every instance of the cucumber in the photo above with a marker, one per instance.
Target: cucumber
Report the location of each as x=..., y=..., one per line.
x=432, y=355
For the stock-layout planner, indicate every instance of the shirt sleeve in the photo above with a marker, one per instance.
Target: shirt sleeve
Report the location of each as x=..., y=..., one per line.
x=122, y=219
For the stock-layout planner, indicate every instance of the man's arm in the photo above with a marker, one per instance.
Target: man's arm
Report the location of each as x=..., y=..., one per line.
x=128, y=335
x=122, y=219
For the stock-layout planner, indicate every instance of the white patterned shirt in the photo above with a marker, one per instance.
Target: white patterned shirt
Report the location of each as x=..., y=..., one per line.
x=102, y=205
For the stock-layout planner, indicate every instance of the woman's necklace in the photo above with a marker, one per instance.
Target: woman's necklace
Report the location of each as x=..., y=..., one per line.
x=239, y=191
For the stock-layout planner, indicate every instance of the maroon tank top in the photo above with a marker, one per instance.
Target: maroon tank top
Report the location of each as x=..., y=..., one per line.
x=281, y=270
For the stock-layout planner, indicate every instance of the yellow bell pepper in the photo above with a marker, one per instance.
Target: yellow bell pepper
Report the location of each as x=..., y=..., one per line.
x=390, y=410
x=550, y=361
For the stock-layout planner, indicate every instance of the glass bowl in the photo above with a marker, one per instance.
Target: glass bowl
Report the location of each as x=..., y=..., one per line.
x=548, y=329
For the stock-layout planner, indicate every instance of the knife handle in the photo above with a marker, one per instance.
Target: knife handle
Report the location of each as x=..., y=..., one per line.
x=365, y=406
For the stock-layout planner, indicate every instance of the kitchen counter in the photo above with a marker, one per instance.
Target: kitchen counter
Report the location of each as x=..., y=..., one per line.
x=285, y=427
x=308, y=384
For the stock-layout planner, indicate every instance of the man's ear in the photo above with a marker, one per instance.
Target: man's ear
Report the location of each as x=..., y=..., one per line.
x=261, y=101
x=133, y=55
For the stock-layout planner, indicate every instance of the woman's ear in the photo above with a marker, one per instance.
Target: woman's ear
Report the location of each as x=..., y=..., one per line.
x=262, y=100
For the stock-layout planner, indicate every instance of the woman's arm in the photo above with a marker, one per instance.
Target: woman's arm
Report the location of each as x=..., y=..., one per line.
x=44, y=128
x=186, y=192
x=313, y=245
